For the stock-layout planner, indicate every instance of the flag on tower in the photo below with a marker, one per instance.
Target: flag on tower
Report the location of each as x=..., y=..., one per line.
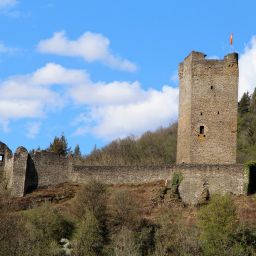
x=231, y=39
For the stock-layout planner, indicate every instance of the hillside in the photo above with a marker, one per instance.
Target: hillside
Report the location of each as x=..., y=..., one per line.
x=142, y=220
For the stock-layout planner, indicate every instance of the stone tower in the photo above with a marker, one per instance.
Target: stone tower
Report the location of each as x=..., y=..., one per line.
x=207, y=128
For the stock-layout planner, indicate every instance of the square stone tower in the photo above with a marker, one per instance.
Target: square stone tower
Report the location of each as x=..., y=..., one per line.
x=207, y=127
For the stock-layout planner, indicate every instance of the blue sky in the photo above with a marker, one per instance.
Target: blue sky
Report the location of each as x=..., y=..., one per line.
x=100, y=70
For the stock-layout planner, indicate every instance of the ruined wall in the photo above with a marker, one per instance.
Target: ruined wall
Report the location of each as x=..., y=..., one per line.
x=120, y=174
x=47, y=168
x=208, y=99
x=217, y=179
x=18, y=180
x=196, y=178
x=5, y=160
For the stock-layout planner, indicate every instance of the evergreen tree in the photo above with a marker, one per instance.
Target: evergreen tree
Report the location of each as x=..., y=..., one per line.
x=253, y=102
x=244, y=103
x=60, y=146
x=77, y=152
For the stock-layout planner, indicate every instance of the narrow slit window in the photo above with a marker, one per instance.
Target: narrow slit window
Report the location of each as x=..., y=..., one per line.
x=201, y=113
x=218, y=112
x=201, y=129
x=211, y=87
x=1, y=158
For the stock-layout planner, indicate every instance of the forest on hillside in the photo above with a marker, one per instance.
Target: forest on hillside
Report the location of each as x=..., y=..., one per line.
x=159, y=147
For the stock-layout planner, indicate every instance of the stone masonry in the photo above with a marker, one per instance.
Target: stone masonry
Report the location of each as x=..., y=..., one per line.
x=207, y=128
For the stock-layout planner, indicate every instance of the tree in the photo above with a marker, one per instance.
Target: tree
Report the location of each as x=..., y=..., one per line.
x=253, y=102
x=244, y=103
x=59, y=146
x=77, y=152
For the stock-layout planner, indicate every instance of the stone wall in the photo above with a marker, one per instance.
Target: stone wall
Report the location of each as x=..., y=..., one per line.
x=196, y=178
x=208, y=98
x=120, y=174
x=216, y=179
x=19, y=174
x=184, y=124
x=5, y=160
x=44, y=168
x=47, y=168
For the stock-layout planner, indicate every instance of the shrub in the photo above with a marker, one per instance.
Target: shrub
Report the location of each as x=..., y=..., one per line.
x=124, y=243
x=217, y=223
x=175, y=183
x=88, y=239
x=125, y=210
x=92, y=197
x=47, y=220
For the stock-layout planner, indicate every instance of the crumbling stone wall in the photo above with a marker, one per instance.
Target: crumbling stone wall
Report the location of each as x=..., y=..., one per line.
x=197, y=179
x=5, y=163
x=18, y=180
x=47, y=168
x=120, y=174
x=208, y=99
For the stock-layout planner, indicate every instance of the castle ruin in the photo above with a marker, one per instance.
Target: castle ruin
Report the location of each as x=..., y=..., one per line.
x=207, y=127
x=206, y=147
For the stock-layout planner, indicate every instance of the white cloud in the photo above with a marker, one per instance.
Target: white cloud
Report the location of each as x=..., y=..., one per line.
x=110, y=110
x=33, y=129
x=7, y=3
x=155, y=109
x=33, y=95
x=56, y=74
x=90, y=46
x=102, y=93
x=247, y=68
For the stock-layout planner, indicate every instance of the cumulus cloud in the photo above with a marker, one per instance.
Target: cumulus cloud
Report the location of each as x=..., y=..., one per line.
x=107, y=110
x=7, y=3
x=247, y=68
x=109, y=121
x=114, y=93
x=33, y=95
x=90, y=46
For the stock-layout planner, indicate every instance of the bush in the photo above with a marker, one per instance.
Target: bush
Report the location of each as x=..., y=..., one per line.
x=88, y=239
x=175, y=183
x=92, y=197
x=47, y=220
x=124, y=243
x=218, y=223
x=125, y=210
x=20, y=237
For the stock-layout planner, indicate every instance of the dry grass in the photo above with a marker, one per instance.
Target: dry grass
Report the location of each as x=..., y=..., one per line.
x=146, y=195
